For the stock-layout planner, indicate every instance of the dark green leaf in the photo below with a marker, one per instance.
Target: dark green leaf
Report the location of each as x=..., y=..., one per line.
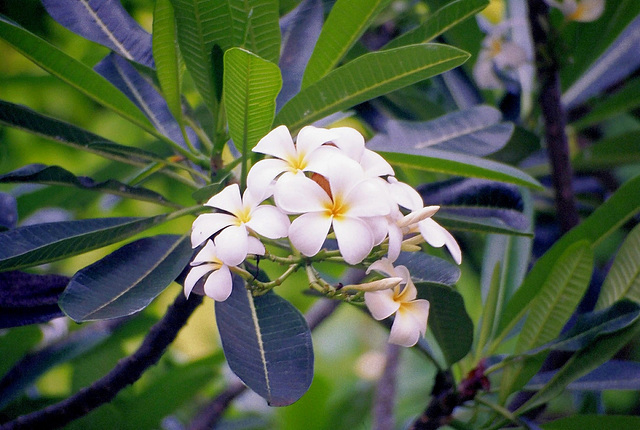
x=623, y=100
x=609, y=153
x=448, y=320
x=267, y=343
x=427, y=268
x=54, y=175
x=345, y=24
x=439, y=21
x=478, y=224
x=42, y=243
x=365, y=78
x=582, y=422
x=127, y=280
x=612, y=375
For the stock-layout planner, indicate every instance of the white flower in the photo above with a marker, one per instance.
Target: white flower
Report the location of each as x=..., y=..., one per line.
x=242, y=216
x=345, y=199
x=579, y=10
x=411, y=314
x=437, y=236
x=218, y=284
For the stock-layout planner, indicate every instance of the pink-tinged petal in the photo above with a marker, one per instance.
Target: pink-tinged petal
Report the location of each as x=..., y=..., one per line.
x=299, y=194
x=277, y=142
x=343, y=175
x=206, y=225
x=369, y=198
x=395, y=241
x=405, y=195
x=350, y=141
x=440, y=236
x=262, y=174
x=311, y=138
x=379, y=227
x=384, y=265
x=409, y=292
x=321, y=160
x=308, y=232
x=375, y=165
x=228, y=200
x=410, y=323
x=254, y=246
x=381, y=303
x=355, y=240
x=207, y=254
x=194, y=275
x=219, y=284
x=269, y=221
x=231, y=245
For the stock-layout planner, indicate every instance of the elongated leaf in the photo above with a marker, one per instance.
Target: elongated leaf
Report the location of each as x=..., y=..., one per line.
x=494, y=292
x=54, y=175
x=433, y=160
x=71, y=71
x=448, y=320
x=300, y=31
x=475, y=131
x=623, y=280
x=167, y=56
x=581, y=422
x=29, y=120
x=612, y=375
x=345, y=24
x=429, y=269
x=582, y=363
x=439, y=21
x=368, y=77
x=42, y=243
x=615, y=64
x=251, y=85
x=267, y=343
x=615, y=151
x=8, y=211
x=105, y=22
x=623, y=100
x=127, y=280
x=251, y=24
x=481, y=224
x=127, y=79
x=622, y=205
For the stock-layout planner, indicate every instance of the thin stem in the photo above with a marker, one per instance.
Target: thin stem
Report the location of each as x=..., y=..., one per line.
x=126, y=372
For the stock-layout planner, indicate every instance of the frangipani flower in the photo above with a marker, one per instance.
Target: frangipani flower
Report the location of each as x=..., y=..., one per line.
x=242, y=216
x=411, y=314
x=347, y=200
x=579, y=10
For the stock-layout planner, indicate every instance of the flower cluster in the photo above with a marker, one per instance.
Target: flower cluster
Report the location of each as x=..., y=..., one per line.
x=579, y=10
x=326, y=184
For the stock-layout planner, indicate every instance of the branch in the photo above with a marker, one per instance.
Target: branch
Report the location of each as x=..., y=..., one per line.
x=126, y=372
x=386, y=391
x=555, y=118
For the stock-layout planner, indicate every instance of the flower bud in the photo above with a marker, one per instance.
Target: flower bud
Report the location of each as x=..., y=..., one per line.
x=380, y=284
x=417, y=216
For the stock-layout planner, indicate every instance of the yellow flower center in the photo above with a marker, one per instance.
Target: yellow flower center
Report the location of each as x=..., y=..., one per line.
x=578, y=13
x=243, y=216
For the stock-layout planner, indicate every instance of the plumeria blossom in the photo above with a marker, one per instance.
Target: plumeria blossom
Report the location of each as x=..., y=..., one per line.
x=349, y=202
x=579, y=10
x=241, y=216
x=411, y=314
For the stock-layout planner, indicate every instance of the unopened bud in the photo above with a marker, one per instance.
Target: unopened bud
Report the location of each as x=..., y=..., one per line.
x=417, y=216
x=380, y=284
x=408, y=247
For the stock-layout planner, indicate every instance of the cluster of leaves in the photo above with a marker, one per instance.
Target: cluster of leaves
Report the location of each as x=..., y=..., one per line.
x=251, y=69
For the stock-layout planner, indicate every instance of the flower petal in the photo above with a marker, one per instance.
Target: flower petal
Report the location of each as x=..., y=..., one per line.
x=228, y=200
x=375, y=165
x=410, y=323
x=369, y=198
x=355, y=239
x=219, y=284
x=206, y=255
x=299, y=194
x=194, y=275
x=206, y=225
x=381, y=303
x=350, y=141
x=254, y=246
x=311, y=138
x=384, y=265
x=231, y=244
x=405, y=195
x=262, y=174
x=441, y=236
x=269, y=221
x=308, y=232
x=277, y=142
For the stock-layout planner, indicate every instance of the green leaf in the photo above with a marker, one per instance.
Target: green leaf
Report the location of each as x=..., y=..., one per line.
x=550, y=310
x=127, y=280
x=43, y=243
x=448, y=320
x=624, y=100
x=251, y=85
x=167, y=56
x=609, y=153
x=623, y=280
x=478, y=224
x=367, y=77
x=267, y=343
x=490, y=309
x=345, y=24
x=72, y=72
x=439, y=21
x=433, y=160
x=55, y=175
x=250, y=24
x=621, y=206
x=582, y=422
